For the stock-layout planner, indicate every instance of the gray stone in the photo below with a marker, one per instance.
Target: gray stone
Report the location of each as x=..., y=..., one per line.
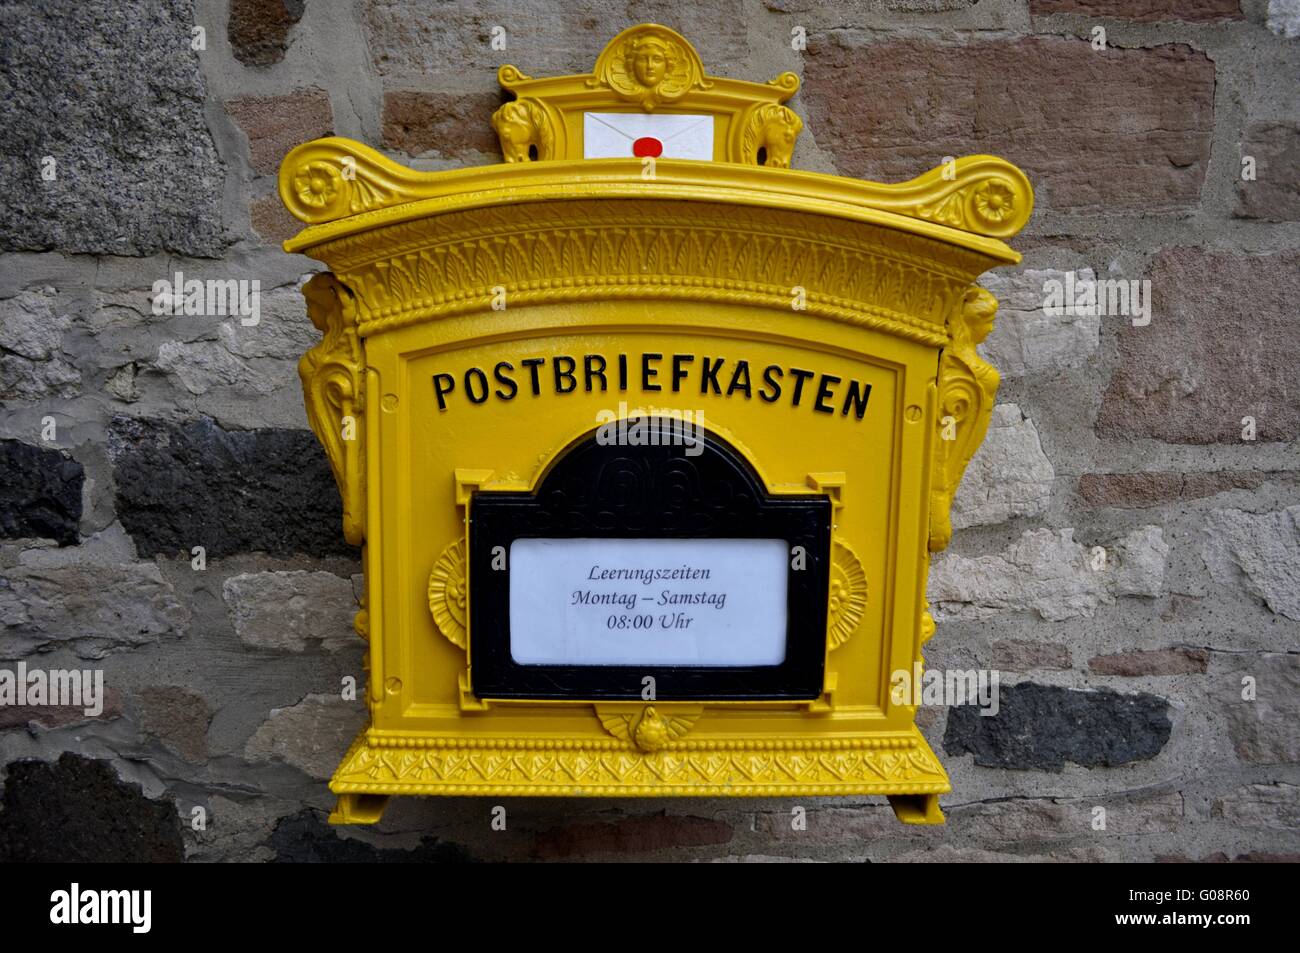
x=252, y=360
x=408, y=37
x=1264, y=729
x=1138, y=562
x=1035, y=819
x=1043, y=726
x=948, y=854
x=111, y=90
x=179, y=484
x=312, y=735
x=1048, y=572
x=292, y=611
x=284, y=331
x=93, y=599
x=30, y=326
x=40, y=493
x=33, y=365
x=202, y=365
x=78, y=811
x=1260, y=552
x=117, y=309
x=1270, y=806
x=236, y=829
x=1025, y=338
x=1284, y=18
x=1142, y=813
x=21, y=379
x=122, y=384
x=761, y=859
x=830, y=826
x=177, y=716
x=1009, y=475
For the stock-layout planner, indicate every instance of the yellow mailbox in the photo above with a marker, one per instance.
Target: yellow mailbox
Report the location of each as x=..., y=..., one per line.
x=646, y=439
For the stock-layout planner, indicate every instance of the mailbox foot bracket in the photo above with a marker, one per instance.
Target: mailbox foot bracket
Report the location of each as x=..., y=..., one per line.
x=359, y=808
x=916, y=808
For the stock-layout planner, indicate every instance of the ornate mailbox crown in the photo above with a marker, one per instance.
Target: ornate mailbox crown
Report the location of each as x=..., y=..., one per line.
x=646, y=438
x=647, y=68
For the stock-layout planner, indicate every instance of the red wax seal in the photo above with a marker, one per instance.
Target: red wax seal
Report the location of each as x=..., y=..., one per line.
x=647, y=146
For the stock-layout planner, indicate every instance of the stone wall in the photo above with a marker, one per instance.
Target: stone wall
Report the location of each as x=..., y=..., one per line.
x=1127, y=553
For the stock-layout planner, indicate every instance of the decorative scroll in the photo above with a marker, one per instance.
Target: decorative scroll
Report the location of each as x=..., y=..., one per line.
x=848, y=598
x=333, y=178
x=977, y=194
x=648, y=727
x=649, y=65
x=772, y=128
x=449, y=593
x=787, y=83
x=522, y=126
x=927, y=625
x=967, y=385
x=331, y=383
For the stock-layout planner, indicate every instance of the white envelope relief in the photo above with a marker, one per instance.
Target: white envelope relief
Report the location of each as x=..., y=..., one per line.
x=615, y=135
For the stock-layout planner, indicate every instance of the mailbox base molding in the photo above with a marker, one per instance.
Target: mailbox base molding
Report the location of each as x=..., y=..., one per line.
x=901, y=767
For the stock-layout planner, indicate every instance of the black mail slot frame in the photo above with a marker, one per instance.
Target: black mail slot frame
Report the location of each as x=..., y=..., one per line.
x=691, y=484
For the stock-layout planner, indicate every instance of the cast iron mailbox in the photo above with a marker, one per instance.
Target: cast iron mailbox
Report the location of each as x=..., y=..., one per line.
x=646, y=439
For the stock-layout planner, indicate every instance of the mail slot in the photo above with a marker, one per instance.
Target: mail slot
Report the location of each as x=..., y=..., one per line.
x=646, y=438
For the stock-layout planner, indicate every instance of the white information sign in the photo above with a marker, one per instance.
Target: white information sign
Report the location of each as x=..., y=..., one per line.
x=648, y=601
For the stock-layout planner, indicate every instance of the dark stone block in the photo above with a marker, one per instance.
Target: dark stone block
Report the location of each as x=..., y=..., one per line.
x=305, y=839
x=195, y=484
x=78, y=811
x=1043, y=726
x=40, y=493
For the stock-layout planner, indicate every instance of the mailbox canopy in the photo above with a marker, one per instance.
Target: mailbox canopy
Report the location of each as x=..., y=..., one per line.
x=645, y=252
